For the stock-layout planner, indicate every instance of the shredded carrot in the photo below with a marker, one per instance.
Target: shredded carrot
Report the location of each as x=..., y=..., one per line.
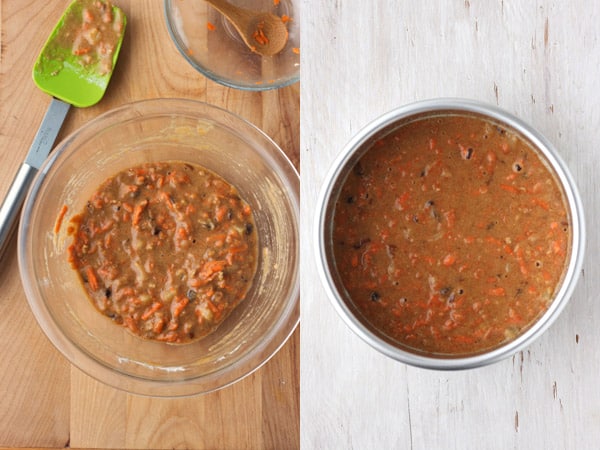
x=463, y=339
x=449, y=259
x=130, y=323
x=137, y=212
x=217, y=239
x=259, y=34
x=158, y=326
x=92, y=278
x=296, y=50
x=210, y=26
x=59, y=219
x=210, y=268
x=221, y=213
x=82, y=51
x=509, y=188
x=155, y=307
x=541, y=203
x=178, y=306
x=557, y=248
x=497, y=292
x=513, y=316
x=521, y=260
x=168, y=200
x=213, y=308
x=87, y=15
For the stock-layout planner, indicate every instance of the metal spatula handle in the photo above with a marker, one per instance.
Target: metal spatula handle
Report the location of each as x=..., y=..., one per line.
x=11, y=206
x=42, y=144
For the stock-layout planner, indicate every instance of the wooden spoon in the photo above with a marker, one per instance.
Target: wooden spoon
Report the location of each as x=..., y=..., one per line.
x=263, y=32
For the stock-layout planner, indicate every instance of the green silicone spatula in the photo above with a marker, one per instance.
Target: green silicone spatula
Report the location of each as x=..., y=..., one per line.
x=74, y=67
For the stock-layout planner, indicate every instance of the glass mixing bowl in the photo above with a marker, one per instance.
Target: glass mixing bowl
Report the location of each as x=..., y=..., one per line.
x=150, y=131
x=209, y=42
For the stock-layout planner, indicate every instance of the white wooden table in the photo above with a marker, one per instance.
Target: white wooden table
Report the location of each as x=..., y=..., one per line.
x=539, y=60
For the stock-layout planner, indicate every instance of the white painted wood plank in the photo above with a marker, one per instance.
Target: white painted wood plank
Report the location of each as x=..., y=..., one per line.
x=539, y=60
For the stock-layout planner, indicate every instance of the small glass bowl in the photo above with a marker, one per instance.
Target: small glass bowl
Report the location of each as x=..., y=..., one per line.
x=149, y=131
x=209, y=42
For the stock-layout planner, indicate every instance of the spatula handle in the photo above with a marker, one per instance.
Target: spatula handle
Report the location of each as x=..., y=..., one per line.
x=40, y=148
x=11, y=207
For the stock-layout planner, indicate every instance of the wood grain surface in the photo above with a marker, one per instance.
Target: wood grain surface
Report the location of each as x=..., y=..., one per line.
x=44, y=401
x=539, y=60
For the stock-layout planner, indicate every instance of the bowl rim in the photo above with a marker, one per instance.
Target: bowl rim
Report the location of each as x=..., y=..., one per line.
x=460, y=105
x=277, y=335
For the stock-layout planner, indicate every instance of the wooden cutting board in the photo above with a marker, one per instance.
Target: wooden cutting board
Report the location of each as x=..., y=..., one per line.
x=44, y=401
